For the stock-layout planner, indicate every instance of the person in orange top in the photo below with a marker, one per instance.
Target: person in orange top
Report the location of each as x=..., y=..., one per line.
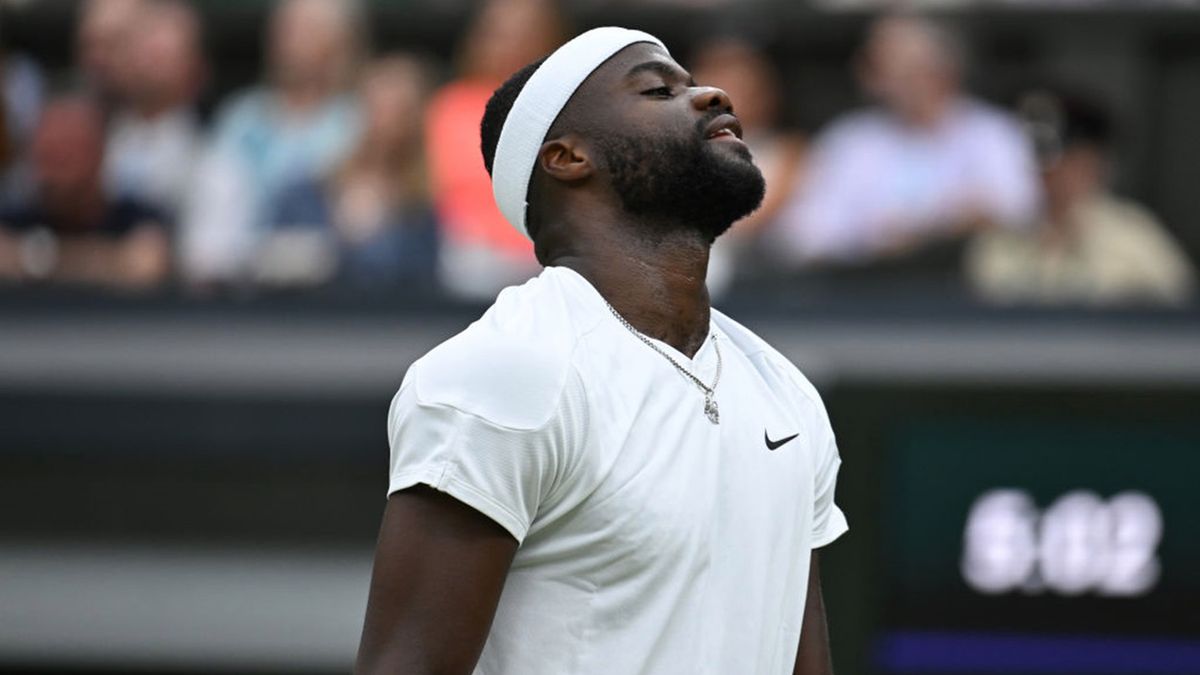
x=481, y=253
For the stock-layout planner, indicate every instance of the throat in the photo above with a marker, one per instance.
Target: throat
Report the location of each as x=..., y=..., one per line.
x=658, y=287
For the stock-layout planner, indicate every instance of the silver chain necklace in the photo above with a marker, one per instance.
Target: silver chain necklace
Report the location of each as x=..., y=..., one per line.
x=710, y=401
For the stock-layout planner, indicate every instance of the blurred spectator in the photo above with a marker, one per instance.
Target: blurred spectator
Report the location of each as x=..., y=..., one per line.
x=72, y=231
x=754, y=85
x=930, y=163
x=1091, y=247
x=21, y=91
x=481, y=251
x=297, y=126
x=371, y=219
x=103, y=30
x=153, y=138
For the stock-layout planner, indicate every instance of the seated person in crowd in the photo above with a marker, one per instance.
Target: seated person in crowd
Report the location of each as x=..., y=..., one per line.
x=299, y=125
x=1091, y=246
x=21, y=91
x=750, y=79
x=929, y=164
x=72, y=231
x=481, y=253
x=369, y=223
x=154, y=133
x=103, y=29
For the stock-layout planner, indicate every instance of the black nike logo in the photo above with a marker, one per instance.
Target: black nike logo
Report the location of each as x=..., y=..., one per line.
x=774, y=445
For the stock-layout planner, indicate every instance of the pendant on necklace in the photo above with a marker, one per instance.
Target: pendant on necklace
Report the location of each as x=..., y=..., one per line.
x=710, y=409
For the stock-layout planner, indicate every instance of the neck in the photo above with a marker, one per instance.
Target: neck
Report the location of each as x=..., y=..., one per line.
x=153, y=108
x=384, y=154
x=303, y=97
x=1061, y=222
x=930, y=113
x=1058, y=211
x=658, y=285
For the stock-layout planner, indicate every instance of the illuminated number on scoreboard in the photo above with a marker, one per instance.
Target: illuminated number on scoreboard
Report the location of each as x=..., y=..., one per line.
x=1080, y=543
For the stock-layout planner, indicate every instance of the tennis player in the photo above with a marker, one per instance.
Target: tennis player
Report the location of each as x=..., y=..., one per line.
x=603, y=475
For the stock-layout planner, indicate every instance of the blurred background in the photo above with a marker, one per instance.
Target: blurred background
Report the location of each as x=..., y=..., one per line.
x=227, y=228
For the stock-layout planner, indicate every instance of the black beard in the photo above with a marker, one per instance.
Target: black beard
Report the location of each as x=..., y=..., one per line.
x=677, y=182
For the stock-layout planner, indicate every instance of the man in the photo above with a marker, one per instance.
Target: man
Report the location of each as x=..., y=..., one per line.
x=480, y=252
x=72, y=231
x=602, y=475
x=155, y=133
x=298, y=124
x=103, y=29
x=22, y=92
x=1091, y=247
x=930, y=163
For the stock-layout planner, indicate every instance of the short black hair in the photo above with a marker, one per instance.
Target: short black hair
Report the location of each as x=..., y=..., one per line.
x=1059, y=117
x=1086, y=120
x=498, y=107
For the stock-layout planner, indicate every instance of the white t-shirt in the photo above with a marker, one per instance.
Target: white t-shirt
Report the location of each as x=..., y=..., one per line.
x=152, y=160
x=875, y=181
x=651, y=540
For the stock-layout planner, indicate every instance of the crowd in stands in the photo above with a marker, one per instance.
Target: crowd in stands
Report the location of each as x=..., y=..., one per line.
x=362, y=169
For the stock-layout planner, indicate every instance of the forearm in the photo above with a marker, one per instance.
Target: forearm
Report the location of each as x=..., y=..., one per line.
x=140, y=259
x=398, y=661
x=813, y=655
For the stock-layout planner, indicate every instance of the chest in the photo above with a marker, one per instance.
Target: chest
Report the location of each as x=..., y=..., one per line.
x=917, y=167
x=662, y=484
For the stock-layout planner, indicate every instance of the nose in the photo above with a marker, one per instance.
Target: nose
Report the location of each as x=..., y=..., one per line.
x=709, y=98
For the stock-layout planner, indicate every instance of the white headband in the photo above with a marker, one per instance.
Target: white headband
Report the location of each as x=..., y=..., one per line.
x=538, y=105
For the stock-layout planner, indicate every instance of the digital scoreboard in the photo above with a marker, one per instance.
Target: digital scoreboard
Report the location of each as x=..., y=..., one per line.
x=1029, y=533
x=1049, y=547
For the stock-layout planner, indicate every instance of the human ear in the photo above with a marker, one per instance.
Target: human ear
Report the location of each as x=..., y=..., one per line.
x=565, y=159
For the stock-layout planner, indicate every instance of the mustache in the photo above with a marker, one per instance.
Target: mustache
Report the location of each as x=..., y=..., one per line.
x=702, y=124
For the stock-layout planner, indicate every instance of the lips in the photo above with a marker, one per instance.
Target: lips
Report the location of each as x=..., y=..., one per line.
x=723, y=127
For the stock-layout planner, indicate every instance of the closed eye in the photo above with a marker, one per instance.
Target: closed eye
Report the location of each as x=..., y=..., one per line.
x=660, y=92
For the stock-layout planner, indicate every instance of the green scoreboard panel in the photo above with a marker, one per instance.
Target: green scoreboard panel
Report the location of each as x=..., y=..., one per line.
x=1024, y=531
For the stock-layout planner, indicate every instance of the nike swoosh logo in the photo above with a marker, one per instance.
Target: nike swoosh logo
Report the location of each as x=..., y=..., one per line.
x=774, y=445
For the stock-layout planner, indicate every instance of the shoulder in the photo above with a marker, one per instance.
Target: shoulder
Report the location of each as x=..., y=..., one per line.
x=778, y=371
x=1122, y=215
x=460, y=93
x=458, y=102
x=1128, y=226
x=510, y=367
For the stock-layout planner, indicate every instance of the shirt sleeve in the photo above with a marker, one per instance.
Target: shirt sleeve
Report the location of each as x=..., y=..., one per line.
x=1006, y=174
x=505, y=472
x=829, y=522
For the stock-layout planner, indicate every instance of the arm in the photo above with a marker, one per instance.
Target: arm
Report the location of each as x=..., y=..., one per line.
x=812, y=657
x=1008, y=193
x=139, y=259
x=439, y=569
